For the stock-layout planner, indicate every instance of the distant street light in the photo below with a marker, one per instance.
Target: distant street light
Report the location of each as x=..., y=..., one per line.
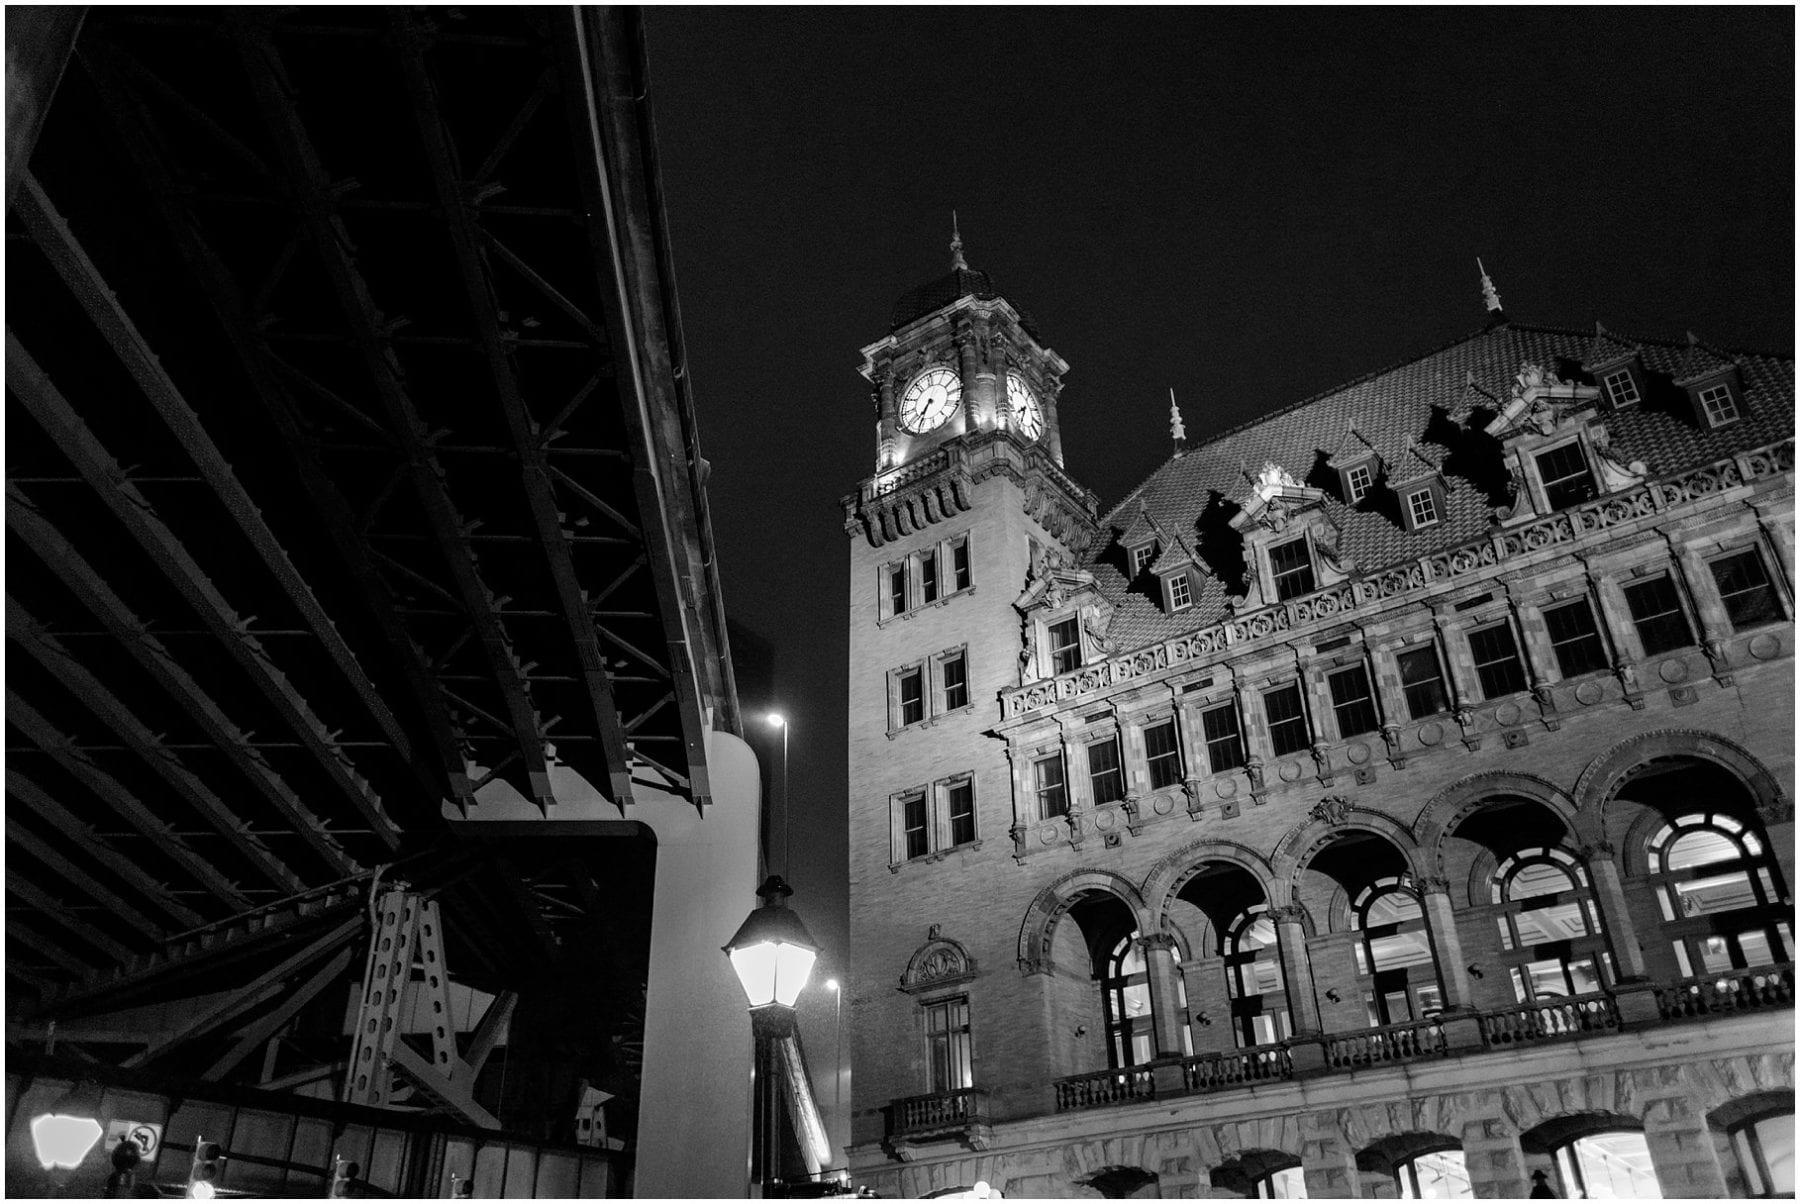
x=777, y=719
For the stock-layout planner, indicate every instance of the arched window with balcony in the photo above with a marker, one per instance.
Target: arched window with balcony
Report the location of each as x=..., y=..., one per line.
x=1550, y=927
x=1130, y=1023
x=1259, y=1011
x=1720, y=892
x=1394, y=958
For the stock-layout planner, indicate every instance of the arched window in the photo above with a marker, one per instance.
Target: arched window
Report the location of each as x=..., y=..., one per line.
x=1130, y=1028
x=1765, y=1154
x=1721, y=901
x=1549, y=925
x=1614, y=1164
x=1259, y=1010
x=1439, y=1175
x=1289, y=1183
x=1394, y=954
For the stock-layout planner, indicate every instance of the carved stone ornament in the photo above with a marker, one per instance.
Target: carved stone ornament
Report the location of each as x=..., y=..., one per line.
x=1540, y=402
x=1275, y=497
x=938, y=962
x=1333, y=809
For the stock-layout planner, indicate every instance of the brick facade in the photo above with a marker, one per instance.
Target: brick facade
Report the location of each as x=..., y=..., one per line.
x=1590, y=765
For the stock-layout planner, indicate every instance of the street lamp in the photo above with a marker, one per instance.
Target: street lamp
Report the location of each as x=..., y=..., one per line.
x=63, y=1136
x=772, y=955
x=837, y=1061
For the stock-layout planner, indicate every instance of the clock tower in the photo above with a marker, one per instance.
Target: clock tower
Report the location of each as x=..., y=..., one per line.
x=968, y=506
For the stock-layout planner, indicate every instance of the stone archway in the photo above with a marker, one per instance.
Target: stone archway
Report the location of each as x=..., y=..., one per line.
x=1052, y=903
x=1601, y=780
x=1170, y=874
x=1450, y=806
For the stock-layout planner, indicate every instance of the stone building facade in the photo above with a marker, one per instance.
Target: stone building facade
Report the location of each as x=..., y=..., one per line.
x=1390, y=797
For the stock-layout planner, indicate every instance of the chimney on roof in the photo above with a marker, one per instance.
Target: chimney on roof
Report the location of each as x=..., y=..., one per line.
x=1177, y=432
x=1489, y=293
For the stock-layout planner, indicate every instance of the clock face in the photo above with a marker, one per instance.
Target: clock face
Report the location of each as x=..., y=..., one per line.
x=1028, y=415
x=931, y=398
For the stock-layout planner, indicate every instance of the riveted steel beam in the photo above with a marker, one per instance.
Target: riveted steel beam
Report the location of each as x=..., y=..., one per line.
x=305, y=177
x=52, y=411
x=465, y=239
x=122, y=868
x=262, y=367
x=133, y=635
x=61, y=749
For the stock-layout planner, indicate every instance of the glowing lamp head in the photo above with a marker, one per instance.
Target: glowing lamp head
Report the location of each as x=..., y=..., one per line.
x=772, y=953
x=63, y=1141
x=831, y=984
x=776, y=719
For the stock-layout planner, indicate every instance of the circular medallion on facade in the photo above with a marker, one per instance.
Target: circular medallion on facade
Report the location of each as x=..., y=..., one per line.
x=1507, y=714
x=1765, y=646
x=1589, y=692
x=1290, y=771
x=1105, y=819
x=1358, y=753
x=1431, y=733
x=1226, y=787
x=1047, y=834
x=1673, y=671
x=1163, y=804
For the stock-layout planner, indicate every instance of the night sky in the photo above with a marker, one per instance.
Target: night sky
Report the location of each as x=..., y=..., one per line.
x=1249, y=206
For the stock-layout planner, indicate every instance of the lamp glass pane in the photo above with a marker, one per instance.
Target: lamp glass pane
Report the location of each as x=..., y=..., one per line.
x=793, y=965
x=756, y=970
x=63, y=1140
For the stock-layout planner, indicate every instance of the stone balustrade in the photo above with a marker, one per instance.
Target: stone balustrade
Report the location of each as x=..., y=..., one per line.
x=1098, y=1089
x=1570, y=1017
x=1733, y=991
x=1390, y=1043
x=938, y=1112
x=1256, y=1064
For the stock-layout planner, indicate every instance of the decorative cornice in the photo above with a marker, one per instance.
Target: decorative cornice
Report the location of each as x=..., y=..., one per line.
x=1377, y=590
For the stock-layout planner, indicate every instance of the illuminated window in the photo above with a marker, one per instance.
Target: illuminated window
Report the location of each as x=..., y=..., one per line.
x=948, y=1066
x=1258, y=994
x=1440, y=1175
x=1125, y=988
x=1607, y=1166
x=1765, y=1152
x=1718, y=887
x=1394, y=955
x=1549, y=925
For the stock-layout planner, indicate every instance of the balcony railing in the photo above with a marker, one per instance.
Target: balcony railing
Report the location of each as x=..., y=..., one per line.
x=1391, y=1043
x=1257, y=1064
x=1576, y=1016
x=1734, y=991
x=919, y=1115
x=1570, y=1017
x=1100, y=1088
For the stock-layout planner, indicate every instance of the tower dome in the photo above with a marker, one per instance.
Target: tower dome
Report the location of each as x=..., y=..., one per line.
x=960, y=281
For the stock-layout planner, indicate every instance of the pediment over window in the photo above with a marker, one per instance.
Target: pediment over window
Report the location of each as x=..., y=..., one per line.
x=1274, y=499
x=939, y=962
x=1542, y=405
x=1052, y=583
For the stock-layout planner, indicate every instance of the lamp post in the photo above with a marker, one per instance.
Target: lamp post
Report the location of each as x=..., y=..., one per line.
x=777, y=719
x=63, y=1136
x=837, y=1058
x=773, y=956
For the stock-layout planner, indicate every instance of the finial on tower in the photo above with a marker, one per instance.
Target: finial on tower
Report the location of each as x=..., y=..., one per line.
x=1177, y=431
x=957, y=262
x=1489, y=293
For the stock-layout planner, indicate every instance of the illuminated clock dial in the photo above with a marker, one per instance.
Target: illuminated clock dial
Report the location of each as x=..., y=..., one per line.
x=1028, y=415
x=930, y=399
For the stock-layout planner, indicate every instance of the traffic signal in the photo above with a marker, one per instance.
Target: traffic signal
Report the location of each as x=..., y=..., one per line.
x=203, y=1176
x=343, y=1178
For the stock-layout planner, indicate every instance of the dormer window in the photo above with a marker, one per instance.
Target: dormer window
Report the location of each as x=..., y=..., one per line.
x=1421, y=508
x=1141, y=556
x=1621, y=387
x=1717, y=405
x=1065, y=646
x=1357, y=480
x=1565, y=475
x=1291, y=565
x=1180, y=595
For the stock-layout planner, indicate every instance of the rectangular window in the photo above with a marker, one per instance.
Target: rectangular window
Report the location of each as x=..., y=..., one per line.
x=1141, y=557
x=1718, y=406
x=1656, y=613
x=1352, y=703
x=1621, y=389
x=1356, y=483
x=928, y=577
x=1052, y=789
x=1497, y=661
x=959, y=801
x=956, y=681
x=1575, y=639
x=912, y=696
x=1180, y=597
x=1292, y=566
x=1745, y=589
x=1162, y=754
x=1564, y=472
x=897, y=588
x=1422, y=505
x=1224, y=738
x=915, y=826
x=1422, y=680
x=1287, y=720
x=1104, y=773
x=1065, y=646
x=947, y=1061
x=959, y=563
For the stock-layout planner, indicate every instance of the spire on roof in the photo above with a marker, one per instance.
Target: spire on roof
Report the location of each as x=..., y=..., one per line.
x=957, y=262
x=1177, y=432
x=1489, y=293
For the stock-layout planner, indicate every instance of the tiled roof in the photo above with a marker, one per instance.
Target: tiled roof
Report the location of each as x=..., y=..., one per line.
x=953, y=285
x=1441, y=401
x=1702, y=360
